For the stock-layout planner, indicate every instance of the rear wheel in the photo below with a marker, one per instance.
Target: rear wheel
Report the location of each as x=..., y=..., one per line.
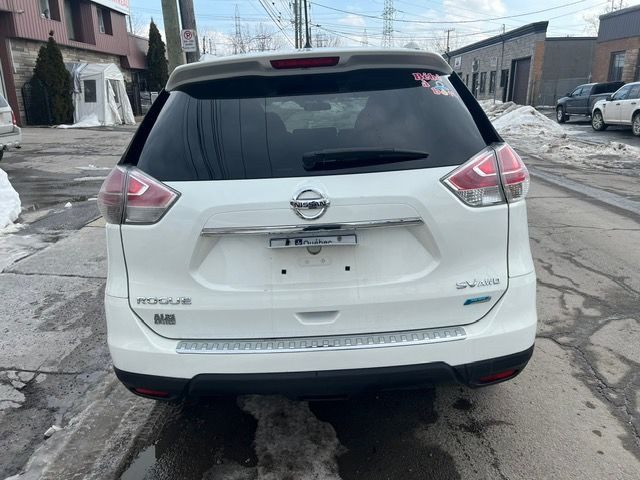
x=1, y=153
x=561, y=117
x=635, y=125
x=597, y=121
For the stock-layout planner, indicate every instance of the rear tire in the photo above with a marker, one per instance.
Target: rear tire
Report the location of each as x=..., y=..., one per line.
x=1, y=153
x=635, y=125
x=561, y=117
x=597, y=121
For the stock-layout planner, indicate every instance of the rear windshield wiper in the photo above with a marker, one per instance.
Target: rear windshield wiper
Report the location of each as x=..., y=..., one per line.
x=333, y=158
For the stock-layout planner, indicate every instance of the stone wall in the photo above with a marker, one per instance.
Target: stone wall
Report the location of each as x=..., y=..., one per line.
x=25, y=52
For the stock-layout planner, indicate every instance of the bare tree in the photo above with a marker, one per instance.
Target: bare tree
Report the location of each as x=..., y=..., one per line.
x=592, y=20
x=139, y=24
x=264, y=38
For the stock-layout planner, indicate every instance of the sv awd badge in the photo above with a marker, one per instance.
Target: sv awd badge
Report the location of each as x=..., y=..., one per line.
x=485, y=282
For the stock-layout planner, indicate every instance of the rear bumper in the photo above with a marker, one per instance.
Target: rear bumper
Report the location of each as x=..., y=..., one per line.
x=327, y=383
x=508, y=329
x=11, y=139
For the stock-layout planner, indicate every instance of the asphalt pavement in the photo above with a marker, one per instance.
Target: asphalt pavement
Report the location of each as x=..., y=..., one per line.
x=573, y=413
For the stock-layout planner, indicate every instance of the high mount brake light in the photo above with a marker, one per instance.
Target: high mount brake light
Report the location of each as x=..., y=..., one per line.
x=313, y=62
x=147, y=199
x=490, y=177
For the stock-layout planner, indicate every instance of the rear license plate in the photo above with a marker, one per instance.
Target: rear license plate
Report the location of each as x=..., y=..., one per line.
x=314, y=241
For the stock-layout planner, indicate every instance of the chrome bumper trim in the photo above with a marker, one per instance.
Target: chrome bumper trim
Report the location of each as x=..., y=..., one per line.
x=326, y=343
x=311, y=228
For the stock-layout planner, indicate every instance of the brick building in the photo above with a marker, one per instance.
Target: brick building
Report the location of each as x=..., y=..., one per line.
x=523, y=65
x=93, y=32
x=617, y=55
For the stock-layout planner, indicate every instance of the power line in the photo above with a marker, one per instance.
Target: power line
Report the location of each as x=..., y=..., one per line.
x=451, y=21
x=266, y=9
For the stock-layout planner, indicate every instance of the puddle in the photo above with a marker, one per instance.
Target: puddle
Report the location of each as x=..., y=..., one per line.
x=143, y=462
x=214, y=435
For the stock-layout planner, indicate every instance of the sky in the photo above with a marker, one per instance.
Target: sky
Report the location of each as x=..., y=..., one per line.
x=358, y=22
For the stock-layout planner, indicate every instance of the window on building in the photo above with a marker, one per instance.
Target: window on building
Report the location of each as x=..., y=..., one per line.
x=483, y=82
x=90, y=93
x=77, y=17
x=49, y=9
x=616, y=66
x=104, y=21
x=504, y=78
x=492, y=81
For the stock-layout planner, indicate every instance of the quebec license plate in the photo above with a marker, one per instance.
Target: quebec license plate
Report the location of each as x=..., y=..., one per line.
x=314, y=241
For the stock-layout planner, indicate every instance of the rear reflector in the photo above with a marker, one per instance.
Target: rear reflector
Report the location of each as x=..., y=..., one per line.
x=495, y=175
x=305, y=62
x=494, y=377
x=151, y=393
x=145, y=202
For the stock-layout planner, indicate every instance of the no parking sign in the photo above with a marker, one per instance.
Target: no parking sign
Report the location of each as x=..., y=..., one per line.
x=188, y=40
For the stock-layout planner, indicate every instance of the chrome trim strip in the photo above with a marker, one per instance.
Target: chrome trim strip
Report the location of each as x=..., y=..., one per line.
x=327, y=343
x=310, y=228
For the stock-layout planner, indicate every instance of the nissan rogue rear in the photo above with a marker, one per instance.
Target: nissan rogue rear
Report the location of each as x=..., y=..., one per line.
x=317, y=223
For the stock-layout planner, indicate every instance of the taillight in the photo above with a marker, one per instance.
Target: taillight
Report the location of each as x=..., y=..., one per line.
x=513, y=172
x=476, y=182
x=312, y=62
x=131, y=196
x=489, y=178
x=14, y=120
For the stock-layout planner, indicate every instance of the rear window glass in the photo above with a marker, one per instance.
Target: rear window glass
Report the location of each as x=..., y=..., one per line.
x=3, y=102
x=263, y=127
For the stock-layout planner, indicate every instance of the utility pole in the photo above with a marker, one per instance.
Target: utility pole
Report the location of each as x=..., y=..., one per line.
x=189, y=22
x=296, y=22
x=448, y=33
x=387, y=28
x=172, y=32
x=365, y=37
x=306, y=25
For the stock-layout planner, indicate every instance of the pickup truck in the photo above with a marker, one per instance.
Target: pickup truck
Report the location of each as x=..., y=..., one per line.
x=582, y=99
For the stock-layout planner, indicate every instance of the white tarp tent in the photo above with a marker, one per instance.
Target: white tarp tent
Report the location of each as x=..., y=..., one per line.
x=99, y=95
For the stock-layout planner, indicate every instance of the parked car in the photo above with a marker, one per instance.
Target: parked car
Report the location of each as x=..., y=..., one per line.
x=583, y=98
x=317, y=224
x=10, y=133
x=621, y=108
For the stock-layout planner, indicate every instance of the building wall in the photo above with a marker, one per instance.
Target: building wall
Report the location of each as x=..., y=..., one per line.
x=602, y=58
x=492, y=58
x=561, y=64
x=30, y=24
x=25, y=53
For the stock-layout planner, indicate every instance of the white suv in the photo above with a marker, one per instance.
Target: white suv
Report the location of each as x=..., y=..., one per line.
x=10, y=133
x=317, y=224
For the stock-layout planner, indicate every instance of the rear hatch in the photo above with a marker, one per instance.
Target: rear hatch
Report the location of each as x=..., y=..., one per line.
x=392, y=247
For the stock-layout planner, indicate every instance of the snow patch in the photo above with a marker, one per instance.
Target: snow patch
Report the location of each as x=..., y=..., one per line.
x=90, y=121
x=10, y=206
x=92, y=167
x=89, y=179
x=290, y=441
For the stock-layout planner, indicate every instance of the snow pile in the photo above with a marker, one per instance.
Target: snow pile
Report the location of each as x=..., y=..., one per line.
x=511, y=119
x=10, y=205
x=533, y=133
